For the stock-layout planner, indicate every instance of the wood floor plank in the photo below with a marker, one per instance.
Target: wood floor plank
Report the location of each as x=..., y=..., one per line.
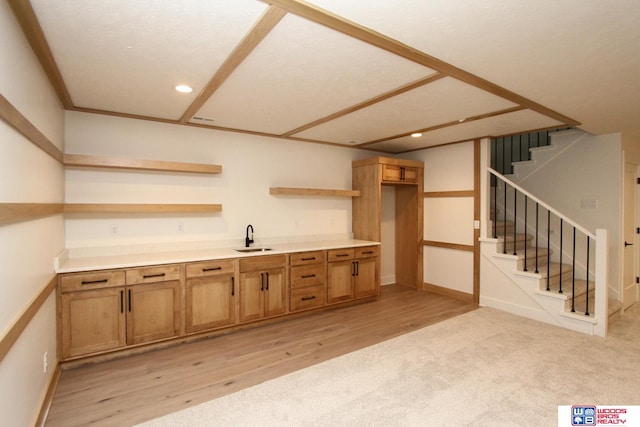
x=145, y=386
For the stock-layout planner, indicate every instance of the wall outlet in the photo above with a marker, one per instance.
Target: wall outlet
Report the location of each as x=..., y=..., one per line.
x=45, y=362
x=180, y=227
x=114, y=229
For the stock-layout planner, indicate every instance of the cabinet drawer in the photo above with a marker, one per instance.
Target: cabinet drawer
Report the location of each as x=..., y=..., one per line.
x=311, y=297
x=340, y=254
x=307, y=275
x=395, y=173
x=367, y=251
x=153, y=274
x=208, y=268
x=305, y=258
x=262, y=262
x=96, y=280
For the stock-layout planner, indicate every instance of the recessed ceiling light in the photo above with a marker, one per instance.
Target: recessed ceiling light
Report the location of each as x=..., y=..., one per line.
x=416, y=135
x=184, y=89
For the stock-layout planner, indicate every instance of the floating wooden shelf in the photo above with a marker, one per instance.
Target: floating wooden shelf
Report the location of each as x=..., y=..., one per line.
x=289, y=191
x=73, y=208
x=82, y=160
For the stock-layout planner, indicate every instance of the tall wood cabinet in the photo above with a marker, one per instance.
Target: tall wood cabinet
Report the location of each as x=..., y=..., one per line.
x=407, y=177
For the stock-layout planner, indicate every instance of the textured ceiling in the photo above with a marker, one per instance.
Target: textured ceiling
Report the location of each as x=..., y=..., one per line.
x=355, y=73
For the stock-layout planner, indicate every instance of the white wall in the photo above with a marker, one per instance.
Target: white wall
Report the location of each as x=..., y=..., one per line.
x=250, y=165
x=448, y=219
x=27, y=249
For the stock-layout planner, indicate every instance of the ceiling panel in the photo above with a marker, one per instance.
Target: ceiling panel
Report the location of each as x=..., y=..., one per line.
x=519, y=121
x=439, y=102
x=127, y=56
x=302, y=72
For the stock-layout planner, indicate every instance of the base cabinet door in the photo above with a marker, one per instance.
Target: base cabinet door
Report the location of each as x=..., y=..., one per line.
x=275, y=293
x=92, y=321
x=339, y=281
x=251, y=296
x=153, y=311
x=210, y=302
x=365, y=280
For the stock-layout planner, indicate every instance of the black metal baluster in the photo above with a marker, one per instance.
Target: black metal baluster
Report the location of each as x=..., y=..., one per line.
x=560, y=285
x=586, y=313
x=573, y=274
x=537, y=237
x=548, y=248
x=515, y=218
x=495, y=206
x=525, y=232
x=504, y=222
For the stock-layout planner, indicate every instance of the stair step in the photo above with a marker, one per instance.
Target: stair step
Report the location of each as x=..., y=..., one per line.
x=521, y=240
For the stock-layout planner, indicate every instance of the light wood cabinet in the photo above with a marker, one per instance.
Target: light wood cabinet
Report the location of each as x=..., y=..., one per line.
x=262, y=287
x=153, y=303
x=407, y=179
x=211, y=295
x=352, y=273
x=102, y=311
x=92, y=313
x=400, y=174
x=307, y=280
x=121, y=309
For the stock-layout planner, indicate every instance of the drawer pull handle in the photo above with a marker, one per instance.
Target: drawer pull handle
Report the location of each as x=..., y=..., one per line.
x=309, y=259
x=149, y=276
x=211, y=269
x=367, y=252
x=94, y=282
x=342, y=255
x=308, y=276
x=308, y=298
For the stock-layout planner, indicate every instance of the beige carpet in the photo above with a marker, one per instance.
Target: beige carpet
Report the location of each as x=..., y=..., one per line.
x=484, y=368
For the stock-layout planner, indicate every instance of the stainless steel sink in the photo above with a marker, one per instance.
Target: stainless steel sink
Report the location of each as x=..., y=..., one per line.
x=253, y=250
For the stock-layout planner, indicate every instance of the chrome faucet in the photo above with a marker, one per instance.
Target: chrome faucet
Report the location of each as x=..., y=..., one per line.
x=247, y=240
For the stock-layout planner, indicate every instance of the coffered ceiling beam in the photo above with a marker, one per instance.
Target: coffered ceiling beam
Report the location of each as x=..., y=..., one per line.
x=33, y=32
x=445, y=125
x=406, y=88
x=260, y=30
x=337, y=23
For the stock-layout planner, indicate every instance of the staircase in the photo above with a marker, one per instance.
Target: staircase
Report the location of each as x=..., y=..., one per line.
x=540, y=264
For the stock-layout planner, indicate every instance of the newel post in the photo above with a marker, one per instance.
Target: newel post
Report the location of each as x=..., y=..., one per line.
x=602, y=282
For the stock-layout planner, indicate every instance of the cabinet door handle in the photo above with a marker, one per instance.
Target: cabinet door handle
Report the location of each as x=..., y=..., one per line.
x=94, y=282
x=267, y=274
x=129, y=301
x=149, y=276
x=353, y=268
x=121, y=301
x=308, y=298
x=233, y=285
x=309, y=259
x=308, y=276
x=401, y=173
x=211, y=269
x=357, y=268
x=262, y=281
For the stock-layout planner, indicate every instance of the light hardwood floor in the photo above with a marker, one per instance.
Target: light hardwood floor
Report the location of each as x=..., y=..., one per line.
x=142, y=387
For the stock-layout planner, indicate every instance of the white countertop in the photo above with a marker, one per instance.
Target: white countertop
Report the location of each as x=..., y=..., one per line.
x=70, y=264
